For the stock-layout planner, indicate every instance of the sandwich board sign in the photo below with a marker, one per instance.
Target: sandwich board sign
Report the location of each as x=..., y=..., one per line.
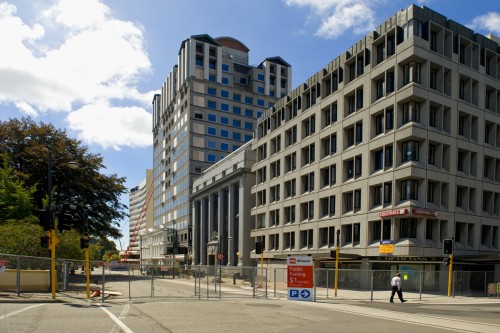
x=300, y=278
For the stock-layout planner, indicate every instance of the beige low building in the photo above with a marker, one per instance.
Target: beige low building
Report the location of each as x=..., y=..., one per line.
x=396, y=144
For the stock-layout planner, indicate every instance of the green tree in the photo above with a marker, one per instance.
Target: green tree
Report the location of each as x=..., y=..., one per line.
x=97, y=195
x=22, y=237
x=15, y=198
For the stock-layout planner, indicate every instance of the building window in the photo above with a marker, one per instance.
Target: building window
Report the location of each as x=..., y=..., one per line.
x=236, y=110
x=376, y=231
x=356, y=233
x=248, y=137
x=409, y=189
x=224, y=93
x=388, y=156
x=377, y=195
x=379, y=159
x=289, y=214
x=224, y=146
x=248, y=100
x=430, y=191
x=211, y=131
x=411, y=73
x=307, y=209
x=359, y=132
x=379, y=124
x=290, y=188
x=225, y=80
x=289, y=240
x=357, y=199
x=309, y=126
x=428, y=229
x=211, y=144
x=308, y=182
x=380, y=85
x=249, y=113
x=211, y=117
x=290, y=162
x=237, y=123
x=347, y=233
x=224, y=107
x=236, y=136
x=224, y=133
x=411, y=112
x=224, y=120
x=211, y=158
x=389, y=119
x=211, y=91
x=432, y=154
x=260, y=102
x=328, y=206
x=359, y=98
x=306, y=239
x=308, y=154
x=409, y=151
x=408, y=228
x=248, y=126
x=211, y=104
x=225, y=67
x=387, y=193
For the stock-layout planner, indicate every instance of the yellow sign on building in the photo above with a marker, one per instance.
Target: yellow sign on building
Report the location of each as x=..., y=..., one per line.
x=386, y=247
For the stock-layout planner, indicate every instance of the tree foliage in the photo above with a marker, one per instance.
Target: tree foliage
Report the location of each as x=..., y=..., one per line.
x=96, y=195
x=15, y=198
x=22, y=237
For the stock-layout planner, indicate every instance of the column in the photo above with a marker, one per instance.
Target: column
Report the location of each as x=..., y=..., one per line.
x=196, y=240
x=231, y=220
x=221, y=227
x=202, y=260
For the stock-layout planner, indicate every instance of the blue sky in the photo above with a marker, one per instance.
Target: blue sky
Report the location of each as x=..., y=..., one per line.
x=92, y=66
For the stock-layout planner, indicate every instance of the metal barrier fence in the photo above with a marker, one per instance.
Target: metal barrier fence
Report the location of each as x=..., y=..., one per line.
x=217, y=282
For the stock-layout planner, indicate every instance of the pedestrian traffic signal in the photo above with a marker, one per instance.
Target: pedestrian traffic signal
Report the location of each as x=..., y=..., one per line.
x=448, y=246
x=44, y=241
x=84, y=243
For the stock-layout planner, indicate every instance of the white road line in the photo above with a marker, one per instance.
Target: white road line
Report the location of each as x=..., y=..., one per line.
x=19, y=311
x=124, y=312
x=116, y=320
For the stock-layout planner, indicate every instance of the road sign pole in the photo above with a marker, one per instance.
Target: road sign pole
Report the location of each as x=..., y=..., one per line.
x=450, y=275
x=337, y=253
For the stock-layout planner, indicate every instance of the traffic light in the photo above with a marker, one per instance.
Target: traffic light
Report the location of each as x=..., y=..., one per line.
x=258, y=248
x=44, y=218
x=44, y=241
x=84, y=243
x=64, y=222
x=448, y=246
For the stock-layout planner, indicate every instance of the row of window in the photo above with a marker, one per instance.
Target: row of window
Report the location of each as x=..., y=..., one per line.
x=224, y=133
x=380, y=195
x=350, y=235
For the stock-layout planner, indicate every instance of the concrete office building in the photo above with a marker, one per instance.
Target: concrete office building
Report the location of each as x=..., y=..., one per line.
x=221, y=210
x=208, y=107
x=140, y=215
x=396, y=140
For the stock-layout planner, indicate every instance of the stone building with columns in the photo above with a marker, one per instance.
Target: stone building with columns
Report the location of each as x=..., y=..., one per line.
x=221, y=204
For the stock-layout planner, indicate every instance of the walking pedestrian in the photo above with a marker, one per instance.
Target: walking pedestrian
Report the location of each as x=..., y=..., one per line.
x=396, y=288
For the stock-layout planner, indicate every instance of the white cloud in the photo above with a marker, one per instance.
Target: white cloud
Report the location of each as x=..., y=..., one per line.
x=339, y=16
x=77, y=53
x=489, y=22
x=112, y=127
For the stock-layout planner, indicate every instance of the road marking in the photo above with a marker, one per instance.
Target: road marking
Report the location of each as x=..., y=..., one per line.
x=416, y=319
x=19, y=311
x=116, y=320
x=124, y=311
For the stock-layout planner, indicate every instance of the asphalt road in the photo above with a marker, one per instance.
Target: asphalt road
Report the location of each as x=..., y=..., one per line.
x=180, y=312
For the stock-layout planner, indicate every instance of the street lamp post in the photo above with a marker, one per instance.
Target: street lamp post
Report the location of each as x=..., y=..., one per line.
x=53, y=240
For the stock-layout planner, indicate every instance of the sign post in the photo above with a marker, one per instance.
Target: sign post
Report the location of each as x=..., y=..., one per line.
x=300, y=278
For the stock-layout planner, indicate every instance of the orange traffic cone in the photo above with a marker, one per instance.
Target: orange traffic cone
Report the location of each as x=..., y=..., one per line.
x=96, y=293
